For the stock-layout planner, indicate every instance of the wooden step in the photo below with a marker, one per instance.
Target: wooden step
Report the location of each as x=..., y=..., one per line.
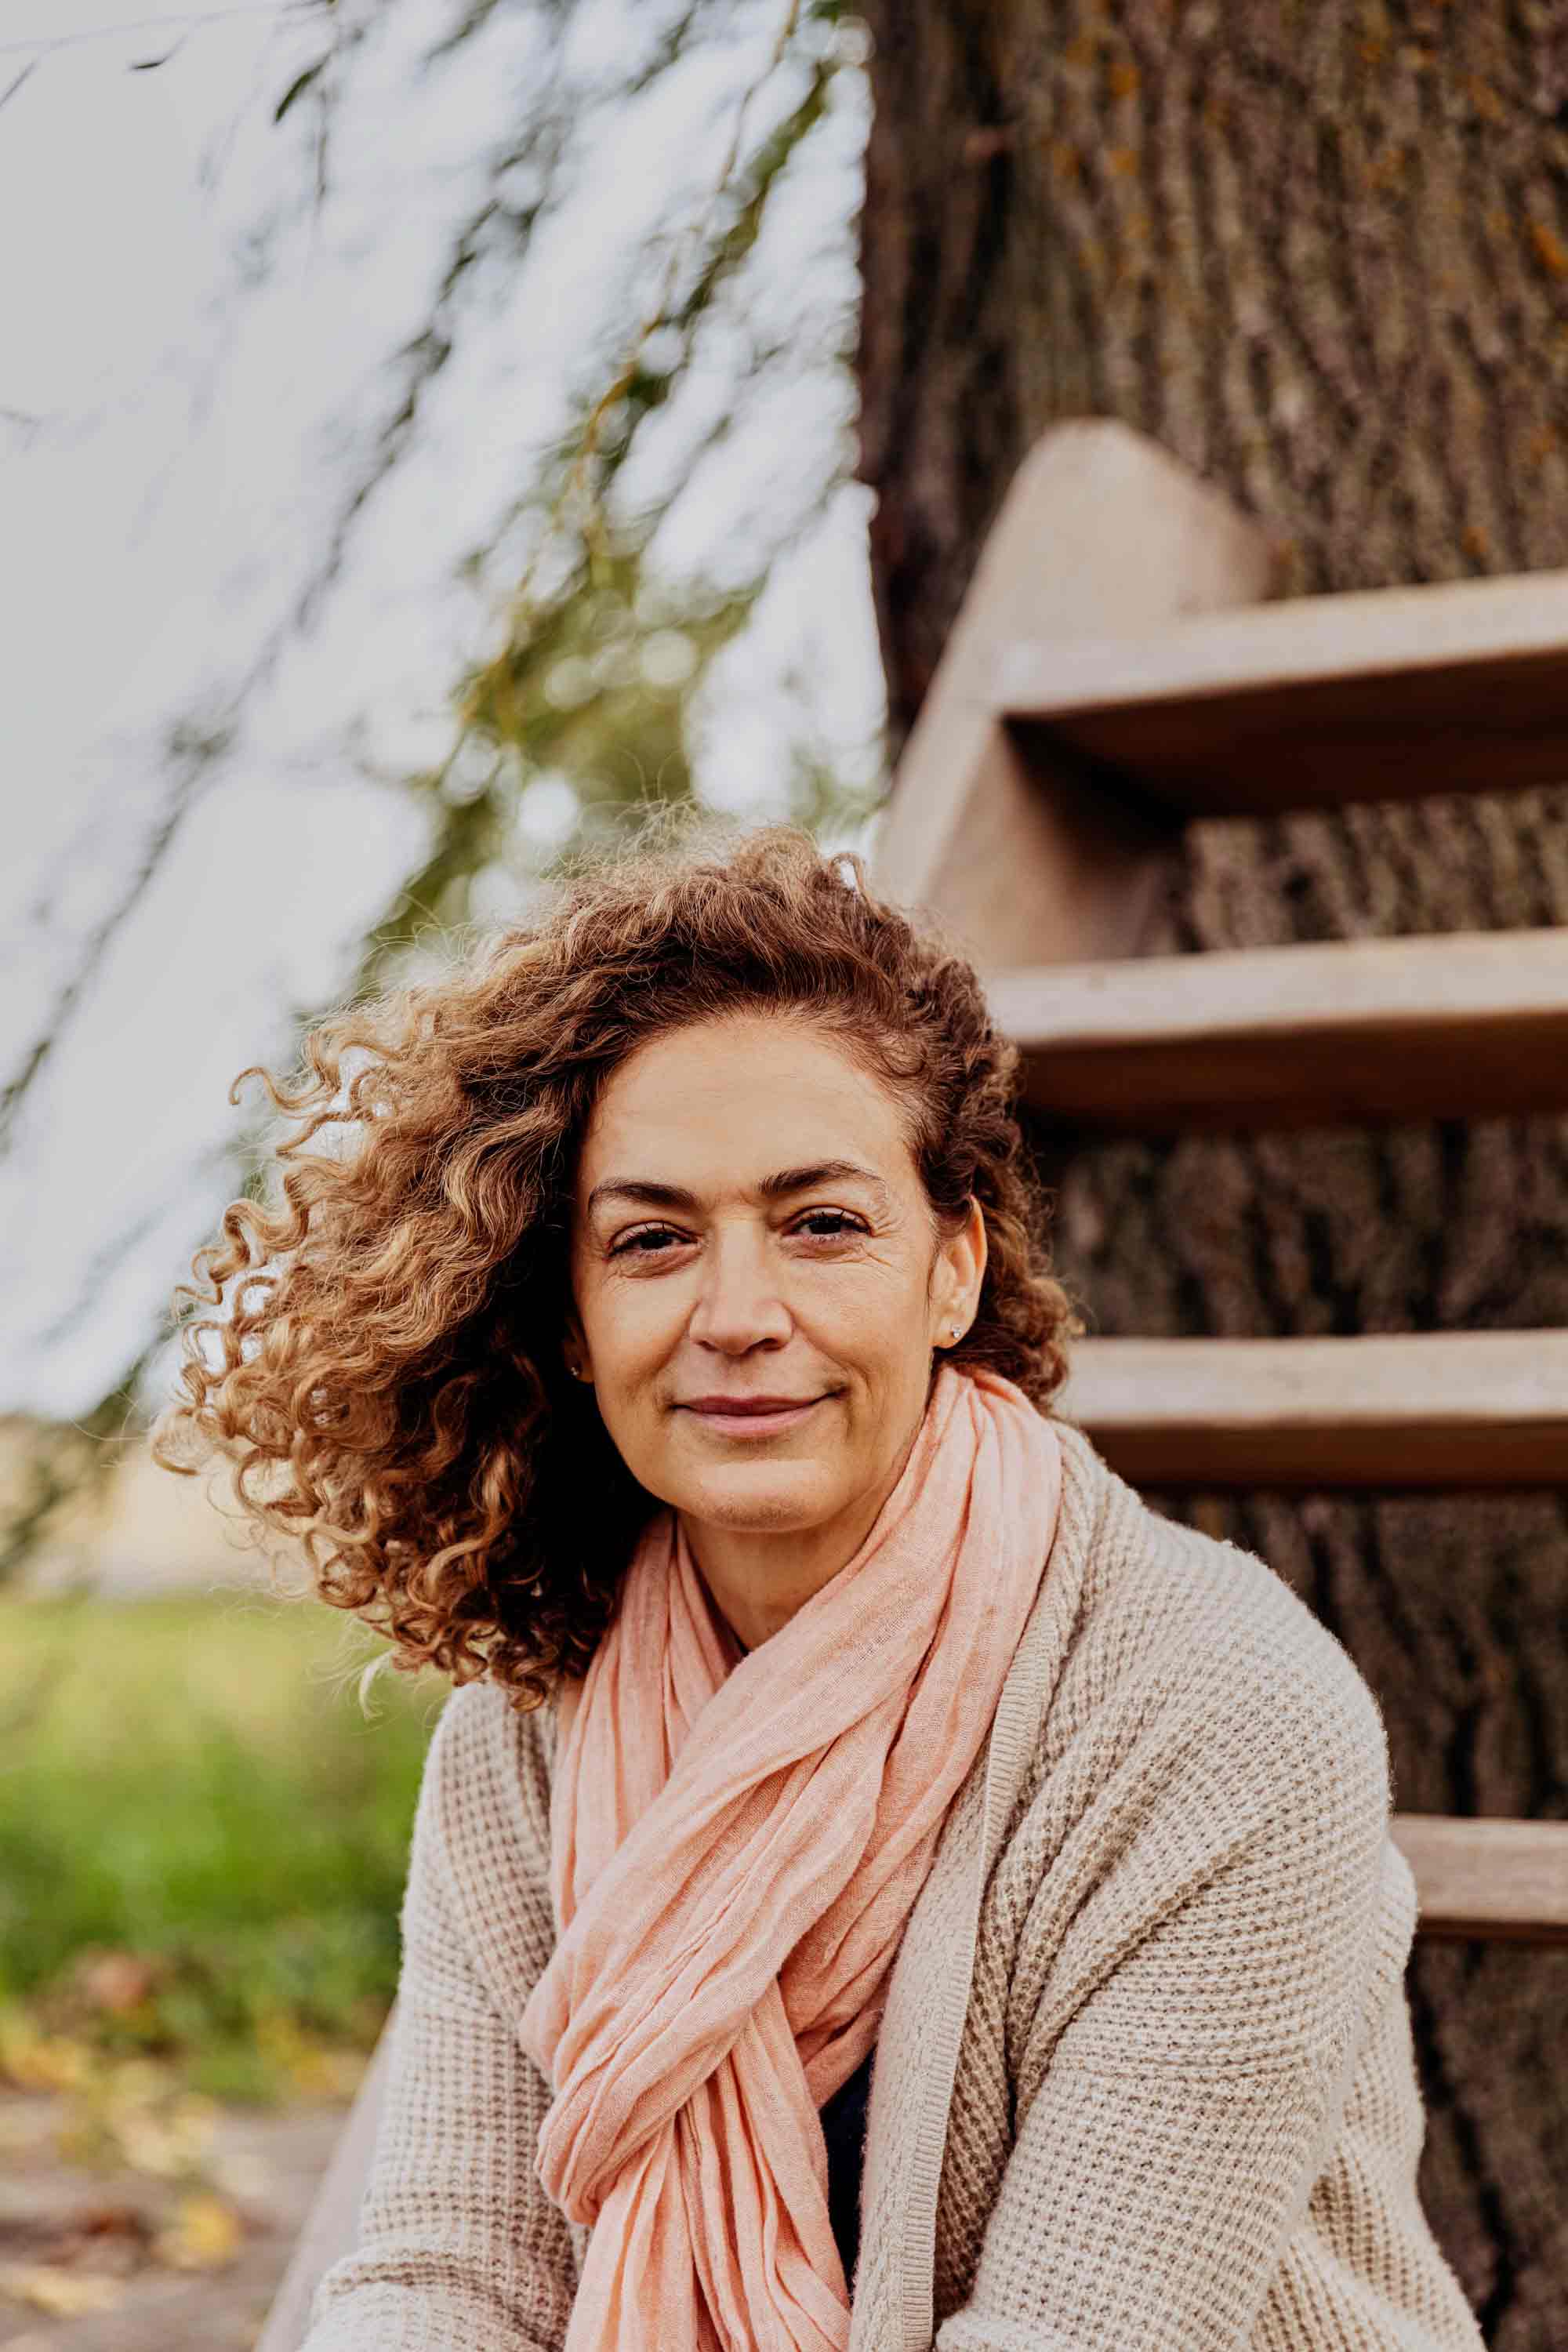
x=1425, y=1409
x=1310, y=701
x=1101, y=530
x=1504, y=1881
x=1471, y=1025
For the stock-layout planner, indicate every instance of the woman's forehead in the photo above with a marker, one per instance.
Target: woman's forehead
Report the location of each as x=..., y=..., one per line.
x=668, y=1131
x=768, y=1078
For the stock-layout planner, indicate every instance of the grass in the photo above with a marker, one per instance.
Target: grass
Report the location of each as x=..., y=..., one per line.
x=203, y=1839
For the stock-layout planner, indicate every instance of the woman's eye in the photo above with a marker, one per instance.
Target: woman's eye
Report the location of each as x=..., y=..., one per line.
x=838, y=1220
x=633, y=1242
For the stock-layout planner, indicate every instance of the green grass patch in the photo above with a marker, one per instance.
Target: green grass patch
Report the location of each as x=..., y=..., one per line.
x=202, y=1838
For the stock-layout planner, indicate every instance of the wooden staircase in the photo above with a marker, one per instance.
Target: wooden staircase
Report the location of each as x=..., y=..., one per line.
x=1116, y=670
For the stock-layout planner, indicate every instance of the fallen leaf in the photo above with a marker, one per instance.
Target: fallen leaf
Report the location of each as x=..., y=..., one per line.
x=206, y=2233
x=64, y=2294
x=116, y=1981
x=41, y=2062
x=170, y=2143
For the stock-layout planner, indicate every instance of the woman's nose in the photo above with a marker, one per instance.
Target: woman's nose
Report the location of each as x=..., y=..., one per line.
x=741, y=1296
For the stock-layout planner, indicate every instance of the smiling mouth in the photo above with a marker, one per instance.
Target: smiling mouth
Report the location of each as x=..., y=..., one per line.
x=754, y=1424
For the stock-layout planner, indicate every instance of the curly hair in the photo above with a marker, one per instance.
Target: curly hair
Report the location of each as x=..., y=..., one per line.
x=388, y=1377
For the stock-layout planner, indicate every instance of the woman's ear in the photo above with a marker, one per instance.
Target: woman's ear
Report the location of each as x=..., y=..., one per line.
x=965, y=1254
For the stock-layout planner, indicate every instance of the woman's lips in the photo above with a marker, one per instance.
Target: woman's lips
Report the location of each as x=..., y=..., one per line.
x=752, y=1425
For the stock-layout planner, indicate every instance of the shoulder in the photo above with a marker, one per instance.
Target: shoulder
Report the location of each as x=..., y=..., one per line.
x=482, y=1743
x=1205, y=1815
x=487, y=1774
x=1178, y=1628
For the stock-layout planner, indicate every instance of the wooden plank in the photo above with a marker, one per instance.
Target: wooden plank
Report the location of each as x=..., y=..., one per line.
x=1312, y=701
x=1470, y=1024
x=1425, y=1410
x=1504, y=1881
x=1031, y=861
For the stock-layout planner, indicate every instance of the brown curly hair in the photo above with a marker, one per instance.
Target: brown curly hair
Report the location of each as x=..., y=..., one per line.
x=388, y=1378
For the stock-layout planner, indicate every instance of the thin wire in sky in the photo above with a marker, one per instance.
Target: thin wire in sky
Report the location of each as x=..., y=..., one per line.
x=190, y=17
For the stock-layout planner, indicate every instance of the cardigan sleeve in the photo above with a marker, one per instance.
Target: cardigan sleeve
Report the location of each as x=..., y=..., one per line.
x=459, y=2249
x=1176, y=2102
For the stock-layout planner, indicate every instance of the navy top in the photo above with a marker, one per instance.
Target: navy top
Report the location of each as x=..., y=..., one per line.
x=844, y=2129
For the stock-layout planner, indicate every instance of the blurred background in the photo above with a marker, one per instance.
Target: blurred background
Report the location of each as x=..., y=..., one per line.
x=429, y=439
x=434, y=431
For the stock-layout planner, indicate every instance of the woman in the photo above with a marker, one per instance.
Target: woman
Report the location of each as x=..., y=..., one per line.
x=666, y=1354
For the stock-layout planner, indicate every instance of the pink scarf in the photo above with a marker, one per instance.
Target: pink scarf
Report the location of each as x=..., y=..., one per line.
x=736, y=1843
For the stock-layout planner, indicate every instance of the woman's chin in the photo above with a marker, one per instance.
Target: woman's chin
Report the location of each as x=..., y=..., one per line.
x=760, y=1495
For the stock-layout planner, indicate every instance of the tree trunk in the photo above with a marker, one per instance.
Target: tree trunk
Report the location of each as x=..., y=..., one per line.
x=1319, y=249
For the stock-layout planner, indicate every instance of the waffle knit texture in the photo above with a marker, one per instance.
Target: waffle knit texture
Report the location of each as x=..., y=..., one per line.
x=1144, y=2080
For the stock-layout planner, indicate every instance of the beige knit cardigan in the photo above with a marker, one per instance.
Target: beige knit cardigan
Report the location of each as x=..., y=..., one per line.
x=1145, y=2079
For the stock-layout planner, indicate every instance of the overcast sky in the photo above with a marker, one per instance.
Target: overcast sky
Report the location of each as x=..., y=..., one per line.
x=192, y=365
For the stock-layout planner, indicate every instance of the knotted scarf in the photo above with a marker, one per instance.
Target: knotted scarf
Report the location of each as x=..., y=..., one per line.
x=737, y=1840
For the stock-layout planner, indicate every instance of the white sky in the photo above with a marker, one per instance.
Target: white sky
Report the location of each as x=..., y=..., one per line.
x=191, y=365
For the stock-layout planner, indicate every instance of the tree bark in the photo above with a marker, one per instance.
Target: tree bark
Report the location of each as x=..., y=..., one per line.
x=1317, y=248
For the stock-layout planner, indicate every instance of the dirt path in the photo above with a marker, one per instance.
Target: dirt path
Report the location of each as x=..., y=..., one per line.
x=116, y=2238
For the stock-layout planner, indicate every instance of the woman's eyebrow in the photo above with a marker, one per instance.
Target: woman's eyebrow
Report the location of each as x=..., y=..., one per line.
x=771, y=1188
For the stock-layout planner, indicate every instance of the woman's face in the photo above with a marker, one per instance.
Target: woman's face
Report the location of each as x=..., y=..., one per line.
x=695, y=1274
